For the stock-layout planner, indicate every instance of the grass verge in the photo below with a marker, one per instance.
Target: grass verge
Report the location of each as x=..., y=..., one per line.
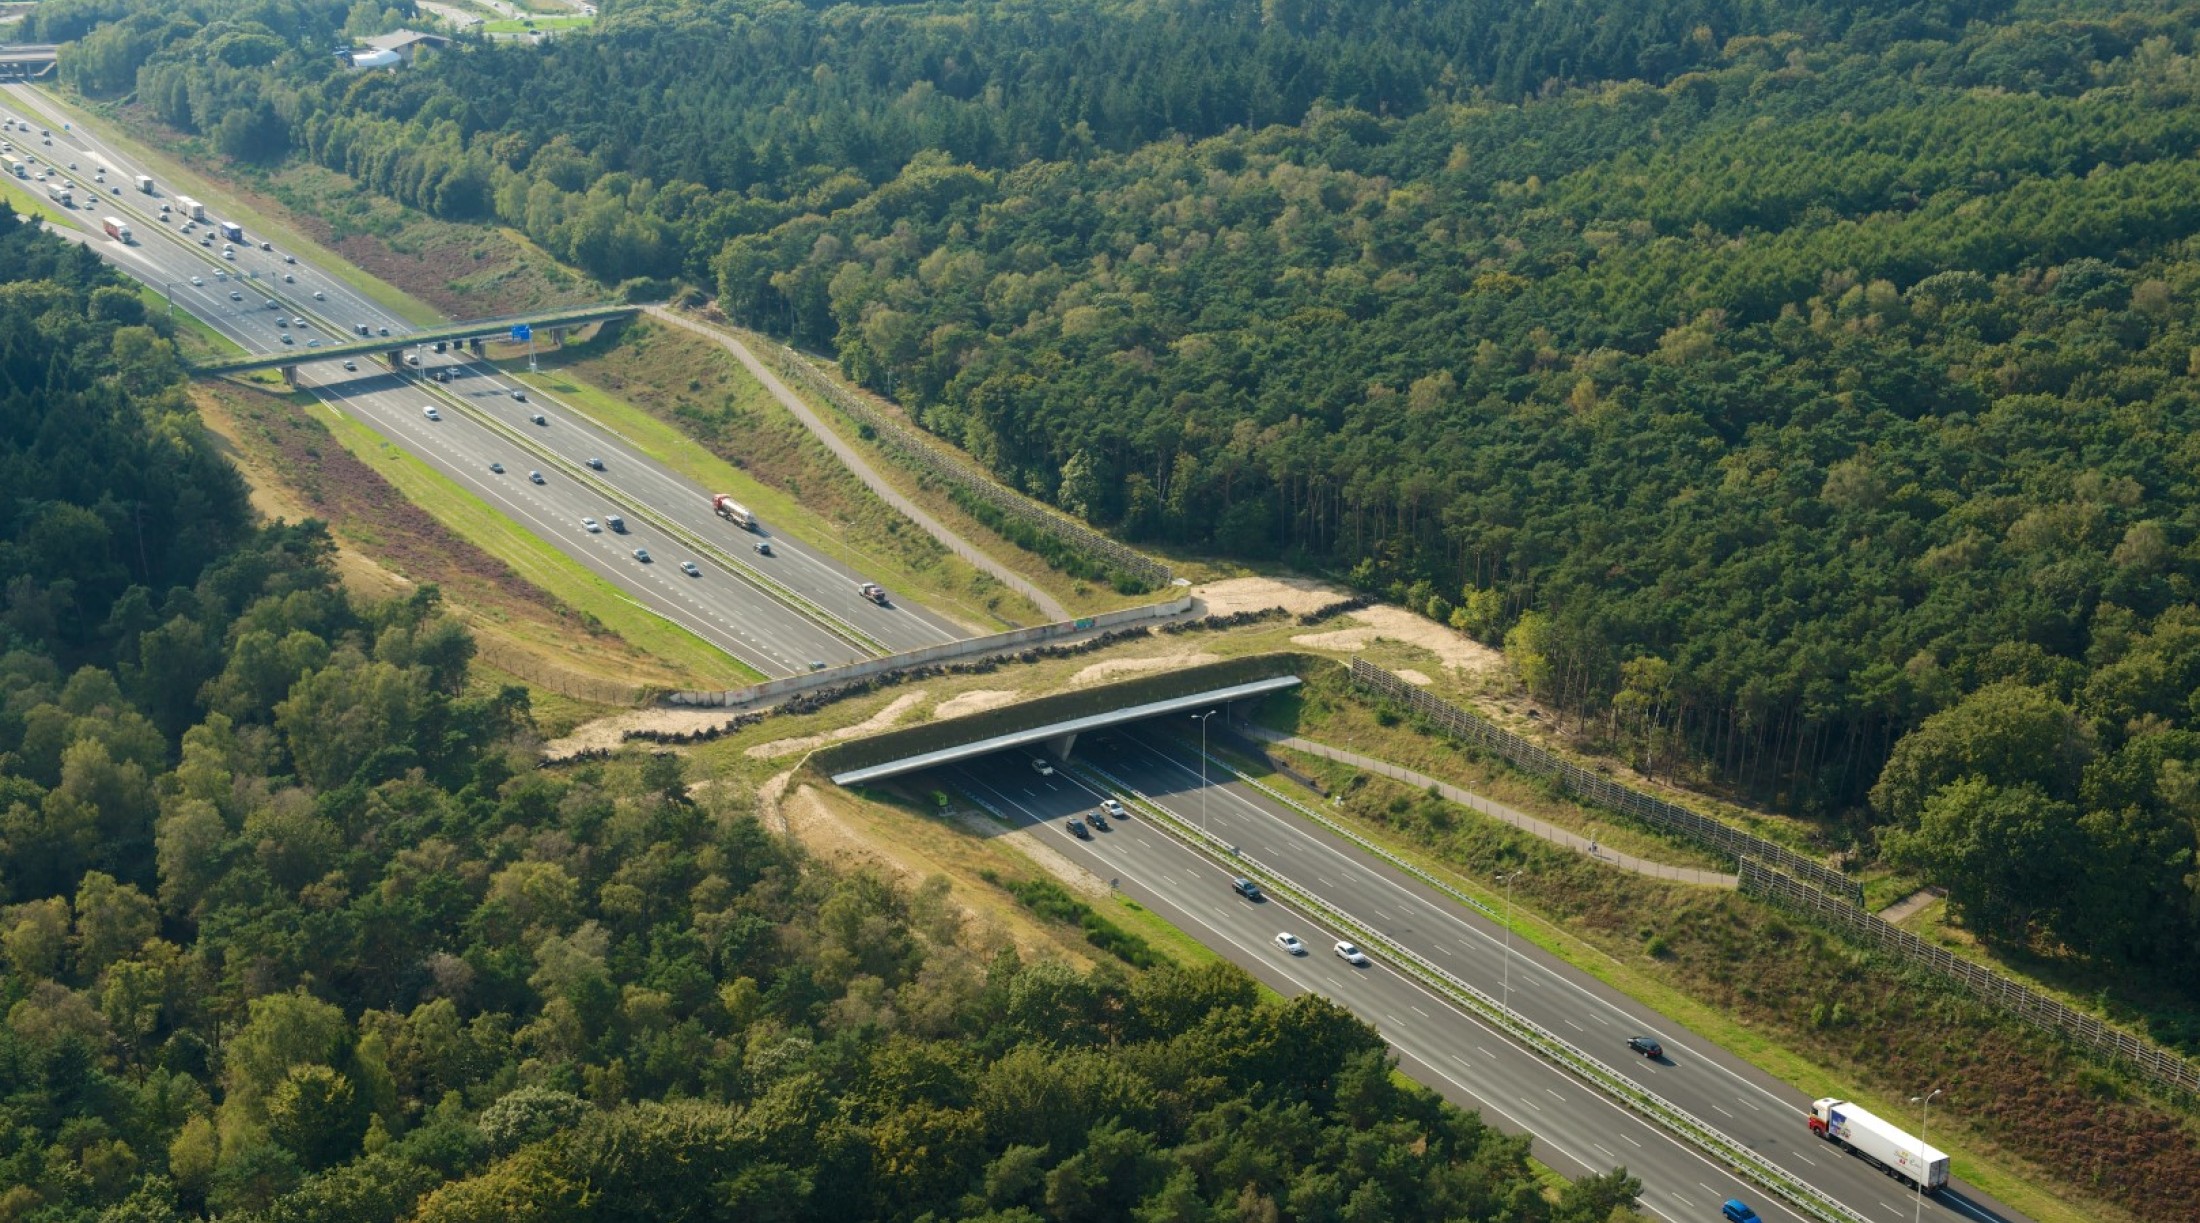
x=1807, y=1008
x=693, y=407
x=537, y=562
x=523, y=25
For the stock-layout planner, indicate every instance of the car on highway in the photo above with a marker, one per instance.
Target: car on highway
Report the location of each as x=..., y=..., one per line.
x=1648, y=1046
x=431, y=413
x=319, y=296
x=615, y=522
x=1352, y=955
x=290, y=259
x=519, y=394
x=272, y=304
x=235, y=296
x=763, y=547
x=592, y=526
x=1291, y=943
x=289, y=279
x=538, y=419
x=351, y=367
x=313, y=343
x=873, y=591
x=381, y=331
x=642, y=555
x=1246, y=888
x=1734, y=1210
x=1040, y=766
x=230, y=256
x=595, y=464
x=1099, y=819
x=497, y=468
x=287, y=339
x=198, y=282
x=267, y=246
x=1114, y=808
x=362, y=329
x=1077, y=829
x=689, y=568
x=536, y=476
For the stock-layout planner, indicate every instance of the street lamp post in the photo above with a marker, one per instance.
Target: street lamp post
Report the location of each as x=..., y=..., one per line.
x=1925, y=1115
x=1507, y=879
x=1202, y=720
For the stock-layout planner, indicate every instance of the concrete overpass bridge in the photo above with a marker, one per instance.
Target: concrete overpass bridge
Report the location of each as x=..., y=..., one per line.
x=550, y=325
x=26, y=61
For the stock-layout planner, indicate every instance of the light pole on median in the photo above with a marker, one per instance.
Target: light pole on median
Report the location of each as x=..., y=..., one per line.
x=1507, y=879
x=1202, y=720
x=1925, y=1115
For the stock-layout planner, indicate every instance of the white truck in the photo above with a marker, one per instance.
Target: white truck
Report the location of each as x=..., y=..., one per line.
x=191, y=208
x=62, y=194
x=1892, y=1149
x=145, y=183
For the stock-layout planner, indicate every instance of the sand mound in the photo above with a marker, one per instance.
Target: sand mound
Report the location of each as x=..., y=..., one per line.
x=609, y=733
x=882, y=720
x=1295, y=595
x=1456, y=650
x=1102, y=671
x=975, y=702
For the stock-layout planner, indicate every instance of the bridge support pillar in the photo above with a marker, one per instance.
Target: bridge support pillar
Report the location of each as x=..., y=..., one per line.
x=289, y=373
x=1060, y=745
x=396, y=358
x=474, y=346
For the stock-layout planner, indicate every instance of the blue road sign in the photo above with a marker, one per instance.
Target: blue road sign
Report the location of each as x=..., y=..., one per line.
x=523, y=332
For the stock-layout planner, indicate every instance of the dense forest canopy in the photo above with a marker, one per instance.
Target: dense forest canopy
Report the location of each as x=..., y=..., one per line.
x=1785, y=383
x=292, y=929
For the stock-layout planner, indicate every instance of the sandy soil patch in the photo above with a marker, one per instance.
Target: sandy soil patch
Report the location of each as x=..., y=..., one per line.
x=609, y=733
x=882, y=720
x=1456, y=650
x=1102, y=671
x=975, y=702
x=1412, y=676
x=1295, y=595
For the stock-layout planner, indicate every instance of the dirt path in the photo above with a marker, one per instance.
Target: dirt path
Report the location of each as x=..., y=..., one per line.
x=1911, y=905
x=608, y=733
x=879, y=721
x=1113, y=667
x=1496, y=810
x=1047, y=604
x=1458, y=651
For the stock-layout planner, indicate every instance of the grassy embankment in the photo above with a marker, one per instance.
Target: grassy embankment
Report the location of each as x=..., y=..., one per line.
x=691, y=406
x=538, y=616
x=1079, y=594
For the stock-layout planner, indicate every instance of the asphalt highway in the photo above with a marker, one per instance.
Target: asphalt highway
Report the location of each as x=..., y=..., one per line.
x=1576, y=1129
x=231, y=296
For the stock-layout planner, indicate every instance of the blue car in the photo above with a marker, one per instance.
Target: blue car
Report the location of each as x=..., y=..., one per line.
x=1735, y=1211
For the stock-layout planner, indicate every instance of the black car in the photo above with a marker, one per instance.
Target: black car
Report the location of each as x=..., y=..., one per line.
x=1648, y=1046
x=1246, y=888
x=1099, y=821
x=1077, y=829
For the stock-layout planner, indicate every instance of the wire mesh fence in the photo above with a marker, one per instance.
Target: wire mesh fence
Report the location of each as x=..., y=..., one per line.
x=2150, y=1060
x=1718, y=837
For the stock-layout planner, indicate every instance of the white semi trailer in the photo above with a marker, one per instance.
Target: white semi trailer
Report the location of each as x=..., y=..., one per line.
x=1890, y=1147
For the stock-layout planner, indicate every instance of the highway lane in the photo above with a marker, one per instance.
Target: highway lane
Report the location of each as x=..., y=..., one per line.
x=1576, y=1130
x=571, y=435
x=715, y=605
x=1718, y=1088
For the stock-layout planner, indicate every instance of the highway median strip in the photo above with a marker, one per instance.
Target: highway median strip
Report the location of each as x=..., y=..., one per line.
x=1730, y=1153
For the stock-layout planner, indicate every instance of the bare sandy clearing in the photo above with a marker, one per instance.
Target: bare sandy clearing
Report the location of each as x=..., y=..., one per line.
x=882, y=720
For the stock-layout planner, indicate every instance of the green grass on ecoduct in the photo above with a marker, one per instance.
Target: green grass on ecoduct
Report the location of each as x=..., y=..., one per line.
x=536, y=561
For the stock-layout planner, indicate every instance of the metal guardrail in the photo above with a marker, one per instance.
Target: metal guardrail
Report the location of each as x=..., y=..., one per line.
x=768, y=586
x=2158, y=1065
x=972, y=479
x=1672, y=1118
x=1718, y=837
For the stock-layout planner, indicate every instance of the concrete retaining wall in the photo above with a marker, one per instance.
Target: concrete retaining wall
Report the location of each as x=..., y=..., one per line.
x=930, y=654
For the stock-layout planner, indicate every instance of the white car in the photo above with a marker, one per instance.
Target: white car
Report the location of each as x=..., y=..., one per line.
x=319, y=296
x=1113, y=808
x=431, y=413
x=593, y=527
x=351, y=367
x=1291, y=943
x=535, y=476
x=688, y=568
x=1040, y=766
x=198, y=282
x=1352, y=955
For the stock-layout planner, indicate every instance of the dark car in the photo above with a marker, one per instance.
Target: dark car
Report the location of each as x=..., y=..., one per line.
x=1648, y=1046
x=1077, y=829
x=1246, y=888
x=1099, y=821
x=1734, y=1210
